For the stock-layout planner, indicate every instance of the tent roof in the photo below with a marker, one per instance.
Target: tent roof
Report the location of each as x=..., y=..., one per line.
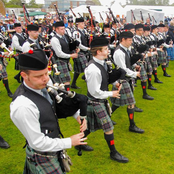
x=35, y=13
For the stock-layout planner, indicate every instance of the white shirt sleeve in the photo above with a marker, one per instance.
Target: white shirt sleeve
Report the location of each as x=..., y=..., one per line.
x=26, y=47
x=15, y=43
x=58, y=49
x=119, y=59
x=94, y=79
x=25, y=115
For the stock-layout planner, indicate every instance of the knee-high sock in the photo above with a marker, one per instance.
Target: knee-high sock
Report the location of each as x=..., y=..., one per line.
x=143, y=84
x=76, y=75
x=149, y=79
x=155, y=74
x=110, y=141
x=164, y=68
x=131, y=116
x=114, y=107
x=86, y=132
x=5, y=82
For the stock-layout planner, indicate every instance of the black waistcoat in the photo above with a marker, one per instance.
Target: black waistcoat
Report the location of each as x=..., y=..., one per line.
x=48, y=119
x=20, y=38
x=105, y=78
x=83, y=39
x=64, y=46
x=36, y=47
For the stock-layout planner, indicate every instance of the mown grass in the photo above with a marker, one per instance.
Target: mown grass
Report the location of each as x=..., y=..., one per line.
x=149, y=153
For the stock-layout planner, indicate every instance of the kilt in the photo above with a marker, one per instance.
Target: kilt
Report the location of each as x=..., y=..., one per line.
x=143, y=73
x=153, y=61
x=64, y=72
x=126, y=98
x=80, y=63
x=97, y=117
x=3, y=72
x=149, y=66
x=41, y=164
x=161, y=57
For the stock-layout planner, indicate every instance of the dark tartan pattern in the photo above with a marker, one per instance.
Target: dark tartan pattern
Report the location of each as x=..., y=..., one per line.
x=64, y=72
x=161, y=57
x=80, y=63
x=126, y=98
x=98, y=117
x=149, y=66
x=143, y=73
x=153, y=61
x=42, y=164
x=3, y=72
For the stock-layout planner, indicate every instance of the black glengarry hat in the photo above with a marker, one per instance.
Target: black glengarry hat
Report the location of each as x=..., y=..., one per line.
x=17, y=25
x=59, y=24
x=33, y=60
x=79, y=20
x=153, y=27
x=137, y=26
x=126, y=34
x=99, y=42
x=129, y=26
x=32, y=27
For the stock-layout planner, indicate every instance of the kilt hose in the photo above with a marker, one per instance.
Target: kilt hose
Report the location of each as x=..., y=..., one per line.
x=41, y=164
x=126, y=98
x=98, y=117
x=153, y=61
x=161, y=57
x=149, y=66
x=64, y=72
x=80, y=63
x=3, y=72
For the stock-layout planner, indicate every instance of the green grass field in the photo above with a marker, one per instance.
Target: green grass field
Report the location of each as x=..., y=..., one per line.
x=148, y=153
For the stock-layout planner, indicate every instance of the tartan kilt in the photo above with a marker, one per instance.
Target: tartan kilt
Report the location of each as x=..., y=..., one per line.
x=41, y=164
x=80, y=63
x=149, y=66
x=161, y=57
x=153, y=61
x=3, y=72
x=143, y=73
x=64, y=72
x=97, y=117
x=126, y=98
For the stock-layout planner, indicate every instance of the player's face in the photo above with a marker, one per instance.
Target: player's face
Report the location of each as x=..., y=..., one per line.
x=60, y=30
x=104, y=52
x=36, y=79
x=18, y=29
x=132, y=30
x=33, y=34
x=127, y=42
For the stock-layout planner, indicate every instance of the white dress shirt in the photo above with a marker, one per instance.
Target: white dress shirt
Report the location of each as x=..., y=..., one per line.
x=119, y=59
x=57, y=48
x=25, y=115
x=94, y=80
x=15, y=43
x=26, y=46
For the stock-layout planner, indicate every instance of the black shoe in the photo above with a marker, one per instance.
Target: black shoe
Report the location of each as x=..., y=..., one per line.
x=136, y=109
x=118, y=157
x=4, y=144
x=166, y=75
x=84, y=147
x=152, y=88
x=113, y=122
x=10, y=95
x=135, y=129
x=75, y=87
x=157, y=81
x=17, y=77
x=148, y=97
x=83, y=77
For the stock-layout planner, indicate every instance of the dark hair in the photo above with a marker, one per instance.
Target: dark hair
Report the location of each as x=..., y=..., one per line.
x=95, y=49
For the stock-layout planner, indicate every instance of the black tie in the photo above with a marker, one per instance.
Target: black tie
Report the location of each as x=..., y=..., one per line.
x=105, y=66
x=128, y=52
x=37, y=43
x=64, y=38
x=46, y=95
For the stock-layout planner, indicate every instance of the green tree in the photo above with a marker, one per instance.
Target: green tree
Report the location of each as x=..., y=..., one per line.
x=32, y=4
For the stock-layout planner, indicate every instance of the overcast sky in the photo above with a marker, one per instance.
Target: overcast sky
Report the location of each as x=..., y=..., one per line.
x=104, y=2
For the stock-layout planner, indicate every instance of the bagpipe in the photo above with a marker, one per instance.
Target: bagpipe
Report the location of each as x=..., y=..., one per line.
x=133, y=19
x=58, y=13
x=26, y=14
x=141, y=14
